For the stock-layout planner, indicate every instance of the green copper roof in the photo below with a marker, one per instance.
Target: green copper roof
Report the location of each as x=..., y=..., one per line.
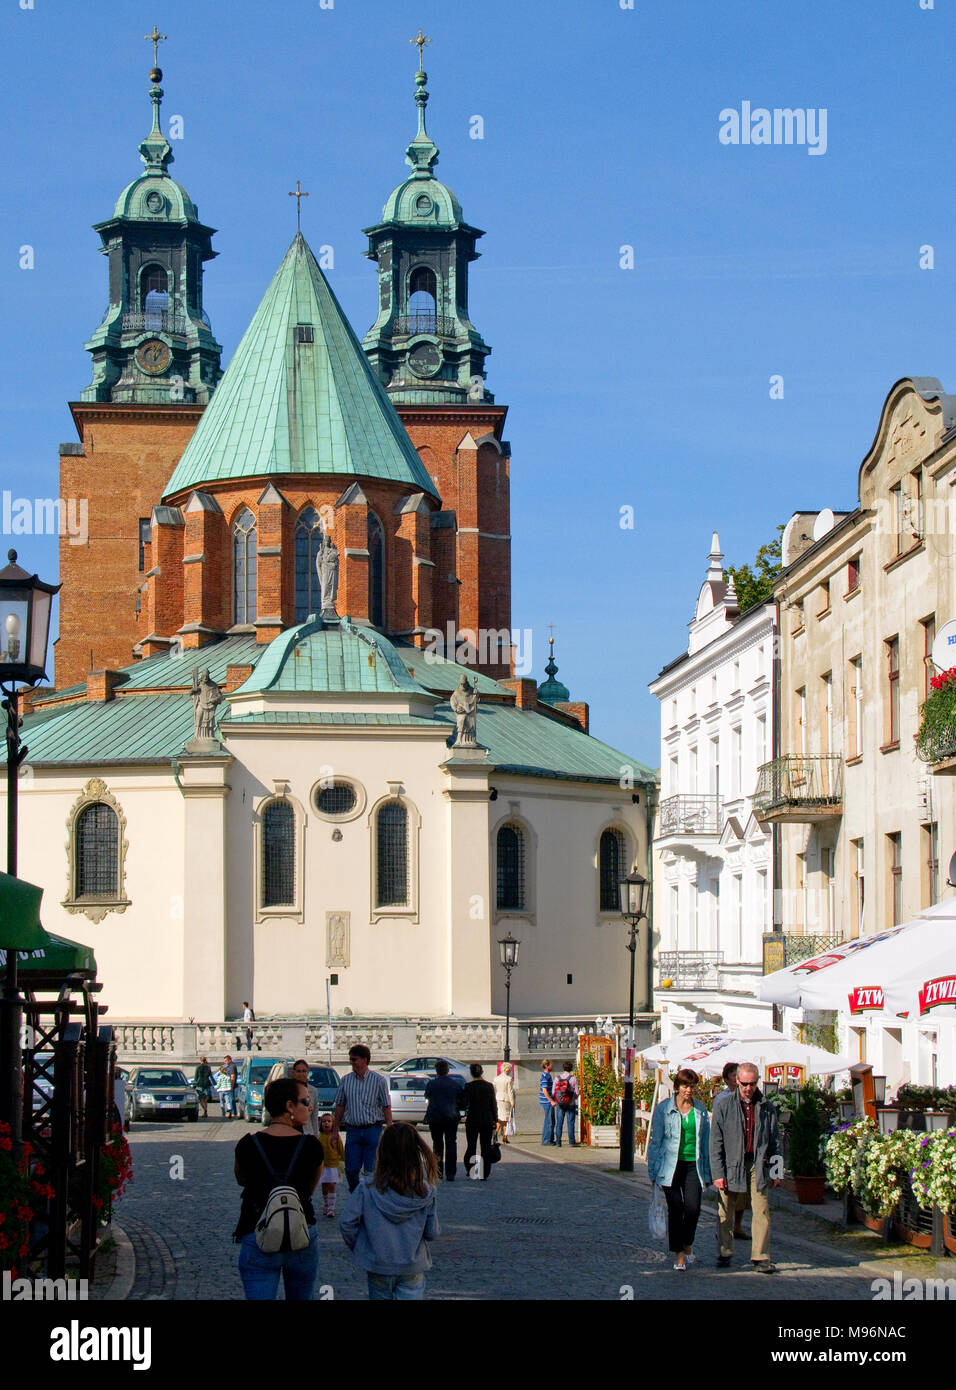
x=441, y=675
x=348, y=719
x=552, y=690
x=534, y=745
x=422, y=200
x=154, y=196
x=334, y=660
x=291, y=406
x=132, y=728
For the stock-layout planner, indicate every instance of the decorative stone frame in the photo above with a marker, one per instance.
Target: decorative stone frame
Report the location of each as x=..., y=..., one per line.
x=529, y=912
x=630, y=850
x=95, y=793
x=338, y=779
x=294, y=912
x=410, y=911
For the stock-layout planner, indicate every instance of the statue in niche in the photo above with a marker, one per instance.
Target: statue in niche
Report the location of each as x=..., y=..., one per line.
x=464, y=703
x=327, y=567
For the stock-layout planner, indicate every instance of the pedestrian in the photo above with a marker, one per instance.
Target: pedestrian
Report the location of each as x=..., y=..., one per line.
x=300, y=1072
x=392, y=1215
x=277, y=1156
x=363, y=1102
x=745, y=1158
x=729, y=1077
x=203, y=1084
x=546, y=1100
x=566, y=1094
x=442, y=1115
x=248, y=1018
x=225, y=1083
x=481, y=1116
x=333, y=1162
x=505, y=1097
x=678, y=1160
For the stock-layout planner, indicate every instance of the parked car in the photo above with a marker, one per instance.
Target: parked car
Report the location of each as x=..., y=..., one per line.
x=325, y=1079
x=255, y=1073
x=407, y=1082
x=425, y=1066
x=162, y=1092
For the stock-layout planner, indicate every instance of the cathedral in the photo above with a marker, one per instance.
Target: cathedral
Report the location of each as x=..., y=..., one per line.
x=286, y=743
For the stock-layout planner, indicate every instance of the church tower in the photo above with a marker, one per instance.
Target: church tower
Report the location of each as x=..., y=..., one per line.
x=155, y=367
x=430, y=358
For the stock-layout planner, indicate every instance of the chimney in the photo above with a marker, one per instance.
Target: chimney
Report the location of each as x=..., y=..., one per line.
x=578, y=709
x=525, y=691
x=101, y=684
x=236, y=676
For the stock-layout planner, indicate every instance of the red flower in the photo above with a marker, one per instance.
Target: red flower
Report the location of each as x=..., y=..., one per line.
x=6, y=1145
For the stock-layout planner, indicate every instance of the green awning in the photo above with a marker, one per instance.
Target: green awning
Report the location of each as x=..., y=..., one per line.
x=56, y=955
x=20, y=914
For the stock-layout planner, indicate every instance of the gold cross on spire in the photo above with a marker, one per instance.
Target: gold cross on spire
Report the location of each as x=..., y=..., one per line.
x=421, y=40
x=155, y=38
x=298, y=195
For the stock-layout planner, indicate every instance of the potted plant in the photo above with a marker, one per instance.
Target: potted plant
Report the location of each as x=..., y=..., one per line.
x=600, y=1092
x=806, y=1161
x=936, y=738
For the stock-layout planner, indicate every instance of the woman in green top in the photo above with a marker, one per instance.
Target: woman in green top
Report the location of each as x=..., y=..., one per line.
x=678, y=1159
x=202, y=1083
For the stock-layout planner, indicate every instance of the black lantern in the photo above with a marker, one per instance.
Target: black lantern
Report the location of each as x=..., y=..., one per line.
x=633, y=893
x=508, y=953
x=25, y=605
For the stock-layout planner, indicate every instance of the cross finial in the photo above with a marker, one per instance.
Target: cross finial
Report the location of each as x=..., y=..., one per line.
x=551, y=631
x=298, y=195
x=421, y=40
x=155, y=38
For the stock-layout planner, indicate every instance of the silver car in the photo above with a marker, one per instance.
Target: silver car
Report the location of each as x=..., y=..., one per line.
x=407, y=1081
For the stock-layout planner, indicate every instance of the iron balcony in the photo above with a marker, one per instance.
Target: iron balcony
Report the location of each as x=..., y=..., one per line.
x=688, y=818
x=689, y=969
x=157, y=320
x=799, y=790
x=407, y=324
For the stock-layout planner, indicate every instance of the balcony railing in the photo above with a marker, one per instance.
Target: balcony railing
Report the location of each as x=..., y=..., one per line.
x=157, y=320
x=690, y=969
x=689, y=815
x=799, y=789
x=785, y=948
x=435, y=324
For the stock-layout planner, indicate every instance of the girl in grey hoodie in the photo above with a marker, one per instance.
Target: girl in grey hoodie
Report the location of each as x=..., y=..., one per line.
x=392, y=1215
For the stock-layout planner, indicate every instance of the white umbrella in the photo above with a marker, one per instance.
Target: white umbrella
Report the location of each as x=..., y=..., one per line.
x=910, y=969
x=674, y=1049
x=708, y=1052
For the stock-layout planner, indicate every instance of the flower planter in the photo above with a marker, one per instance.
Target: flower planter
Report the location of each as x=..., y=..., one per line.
x=872, y=1223
x=605, y=1137
x=810, y=1191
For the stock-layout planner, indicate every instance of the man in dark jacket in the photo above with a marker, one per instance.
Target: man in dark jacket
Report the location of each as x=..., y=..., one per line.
x=443, y=1094
x=481, y=1115
x=745, y=1157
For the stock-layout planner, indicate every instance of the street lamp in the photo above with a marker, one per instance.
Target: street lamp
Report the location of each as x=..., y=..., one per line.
x=508, y=952
x=633, y=894
x=25, y=604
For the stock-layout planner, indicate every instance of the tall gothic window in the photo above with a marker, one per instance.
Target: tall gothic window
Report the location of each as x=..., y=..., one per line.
x=278, y=855
x=154, y=288
x=391, y=856
x=308, y=538
x=612, y=869
x=244, y=567
x=422, y=300
x=511, y=880
x=97, y=852
x=376, y=571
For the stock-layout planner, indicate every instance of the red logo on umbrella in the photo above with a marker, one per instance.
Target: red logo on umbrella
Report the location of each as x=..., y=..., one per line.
x=864, y=998
x=939, y=991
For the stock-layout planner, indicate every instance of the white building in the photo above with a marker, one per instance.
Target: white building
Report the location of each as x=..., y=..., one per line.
x=713, y=870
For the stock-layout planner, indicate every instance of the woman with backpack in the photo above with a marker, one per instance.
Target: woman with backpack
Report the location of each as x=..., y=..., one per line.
x=278, y=1169
x=566, y=1093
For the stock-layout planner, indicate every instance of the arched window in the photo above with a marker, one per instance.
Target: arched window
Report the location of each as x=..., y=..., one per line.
x=376, y=571
x=244, y=567
x=278, y=855
x=422, y=300
x=391, y=856
x=613, y=858
x=511, y=877
x=308, y=538
x=154, y=289
x=97, y=852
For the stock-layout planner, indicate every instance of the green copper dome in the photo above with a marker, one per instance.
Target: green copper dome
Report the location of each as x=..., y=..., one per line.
x=551, y=691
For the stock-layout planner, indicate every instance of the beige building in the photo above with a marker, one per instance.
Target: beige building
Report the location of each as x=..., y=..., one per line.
x=865, y=826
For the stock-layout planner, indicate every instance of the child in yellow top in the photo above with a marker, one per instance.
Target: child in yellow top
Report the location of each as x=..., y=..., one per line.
x=333, y=1161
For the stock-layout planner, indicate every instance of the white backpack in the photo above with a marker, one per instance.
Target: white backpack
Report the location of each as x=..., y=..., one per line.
x=282, y=1225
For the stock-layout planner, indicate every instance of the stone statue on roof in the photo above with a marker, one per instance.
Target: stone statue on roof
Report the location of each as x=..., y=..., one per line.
x=464, y=703
x=327, y=567
x=206, y=697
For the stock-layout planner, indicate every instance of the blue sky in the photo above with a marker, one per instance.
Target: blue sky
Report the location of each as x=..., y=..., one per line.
x=647, y=387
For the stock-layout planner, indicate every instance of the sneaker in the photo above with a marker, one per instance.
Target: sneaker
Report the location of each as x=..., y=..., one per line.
x=681, y=1269
x=723, y=1261
x=764, y=1267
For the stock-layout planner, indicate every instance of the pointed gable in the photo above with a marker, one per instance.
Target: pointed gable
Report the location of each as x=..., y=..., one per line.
x=299, y=396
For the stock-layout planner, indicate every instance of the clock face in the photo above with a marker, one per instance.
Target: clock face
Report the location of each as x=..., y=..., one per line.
x=424, y=359
x=153, y=356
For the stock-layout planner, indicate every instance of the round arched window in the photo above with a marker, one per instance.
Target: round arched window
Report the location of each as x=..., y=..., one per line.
x=338, y=800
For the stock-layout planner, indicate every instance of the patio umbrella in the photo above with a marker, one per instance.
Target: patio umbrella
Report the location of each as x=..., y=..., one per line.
x=909, y=970
x=709, y=1052
x=673, y=1051
x=56, y=955
x=20, y=914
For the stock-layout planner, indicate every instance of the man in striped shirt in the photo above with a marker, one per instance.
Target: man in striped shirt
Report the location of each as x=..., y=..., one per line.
x=364, y=1103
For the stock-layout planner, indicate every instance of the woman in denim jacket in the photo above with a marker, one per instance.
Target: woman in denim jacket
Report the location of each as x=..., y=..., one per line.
x=678, y=1159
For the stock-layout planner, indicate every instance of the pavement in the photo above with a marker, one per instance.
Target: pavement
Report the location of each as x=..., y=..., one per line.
x=549, y=1224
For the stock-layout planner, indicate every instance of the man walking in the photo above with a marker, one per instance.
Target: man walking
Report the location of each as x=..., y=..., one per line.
x=481, y=1116
x=546, y=1099
x=248, y=1019
x=443, y=1095
x=745, y=1158
x=363, y=1102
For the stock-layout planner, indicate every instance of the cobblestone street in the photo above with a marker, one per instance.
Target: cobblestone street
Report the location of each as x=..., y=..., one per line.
x=539, y=1229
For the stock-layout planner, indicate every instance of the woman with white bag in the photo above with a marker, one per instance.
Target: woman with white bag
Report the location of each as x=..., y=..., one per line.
x=678, y=1161
x=505, y=1096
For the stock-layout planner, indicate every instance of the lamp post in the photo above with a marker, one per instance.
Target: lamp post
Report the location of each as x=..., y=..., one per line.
x=508, y=951
x=25, y=604
x=633, y=891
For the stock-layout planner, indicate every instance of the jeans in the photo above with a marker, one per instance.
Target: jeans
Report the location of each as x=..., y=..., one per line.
x=479, y=1132
x=547, y=1127
x=571, y=1115
x=445, y=1143
x=260, y=1272
x=227, y=1102
x=683, y=1205
x=397, y=1286
x=360, y=1148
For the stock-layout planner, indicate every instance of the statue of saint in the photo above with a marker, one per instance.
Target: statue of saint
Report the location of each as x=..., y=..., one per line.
x=327, y=567
x=206, y=697
x=464, y=703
